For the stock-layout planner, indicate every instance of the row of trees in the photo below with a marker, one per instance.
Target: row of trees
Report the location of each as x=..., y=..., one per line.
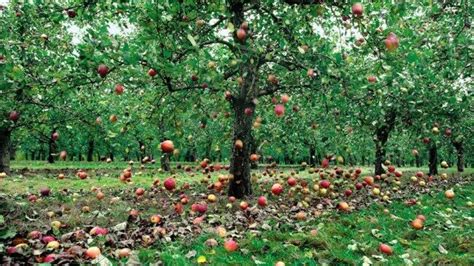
x=120, y=78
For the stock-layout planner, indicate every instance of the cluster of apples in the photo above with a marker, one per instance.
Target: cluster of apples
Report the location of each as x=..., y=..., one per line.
x=36, y=239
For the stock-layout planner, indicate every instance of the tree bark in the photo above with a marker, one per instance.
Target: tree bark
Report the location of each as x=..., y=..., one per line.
x=253, y=149
x=240, y=162
x=418, y=161
x=312, y=155
x=379, y=157
x=381, y=137
x=90, y=150
x=5, y=136
x=51, y=147
x=460, y=155
x=433, y=159
x=165, y=162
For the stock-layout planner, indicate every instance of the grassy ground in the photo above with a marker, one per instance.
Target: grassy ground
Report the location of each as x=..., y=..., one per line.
x=265, y=235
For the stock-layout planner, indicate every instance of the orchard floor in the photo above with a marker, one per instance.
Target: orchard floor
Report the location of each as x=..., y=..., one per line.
x=265, y=235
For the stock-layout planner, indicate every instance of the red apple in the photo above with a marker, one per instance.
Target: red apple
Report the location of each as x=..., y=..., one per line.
x=386, y=249
x=241, y=34
x=391, y=42
x=170, y=183
x=348, y=192
x=49, y=258
x=372, y=79
x=325, y=163
x=230, y=245
x=324, y=184
x=238, y=144
x=152, y=72
x=262, y=201
x=103, y=70
x=63, y=155
x=285, y=98
x=243, y=205
x=357, y=9
x=139, y=192
x=310, y=73
x=447, y=132
x=291, y=181
x=248, y=111
x=279, y=110
x=277, y=189
x=391, y=168
x=254, y=157
x=55, y=136
x=119, y=88
x=14, y=116
x=272, y=79
x=45, y=191
x=167, y=146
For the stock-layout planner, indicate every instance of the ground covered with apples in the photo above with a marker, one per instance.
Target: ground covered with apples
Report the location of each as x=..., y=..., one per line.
x=111, y=213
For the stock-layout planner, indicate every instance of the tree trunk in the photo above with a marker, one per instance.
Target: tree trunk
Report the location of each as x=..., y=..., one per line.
x=433, y=159
x=165, y=162
x=51, y=147
x=5, y=136
x=240, y=162
x=312, y=155
x=379, y=158
x=381, y=137
x=460, y=155
x=418, y=161
x=90, y=150
x=253, y=149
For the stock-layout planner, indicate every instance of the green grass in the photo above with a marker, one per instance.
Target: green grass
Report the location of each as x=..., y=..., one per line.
x=342, y=238
x=347, y=238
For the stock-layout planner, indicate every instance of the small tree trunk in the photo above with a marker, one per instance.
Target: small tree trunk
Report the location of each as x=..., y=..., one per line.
x=5, y=136
x=240, y=162
x=165, y=162
x=312, y=155
x=90, y=150
x=418, y=161
x=433, y=159
x=460, y=155
x=253, y=149
x=51, y=147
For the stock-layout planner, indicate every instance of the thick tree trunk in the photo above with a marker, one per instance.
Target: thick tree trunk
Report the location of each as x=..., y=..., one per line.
x=5, y=136
x=240, y=162
x=381, y=137
x=460, y=155
x=433, y=159
x=379, y=158
x=165, y=162
x=90, y=150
